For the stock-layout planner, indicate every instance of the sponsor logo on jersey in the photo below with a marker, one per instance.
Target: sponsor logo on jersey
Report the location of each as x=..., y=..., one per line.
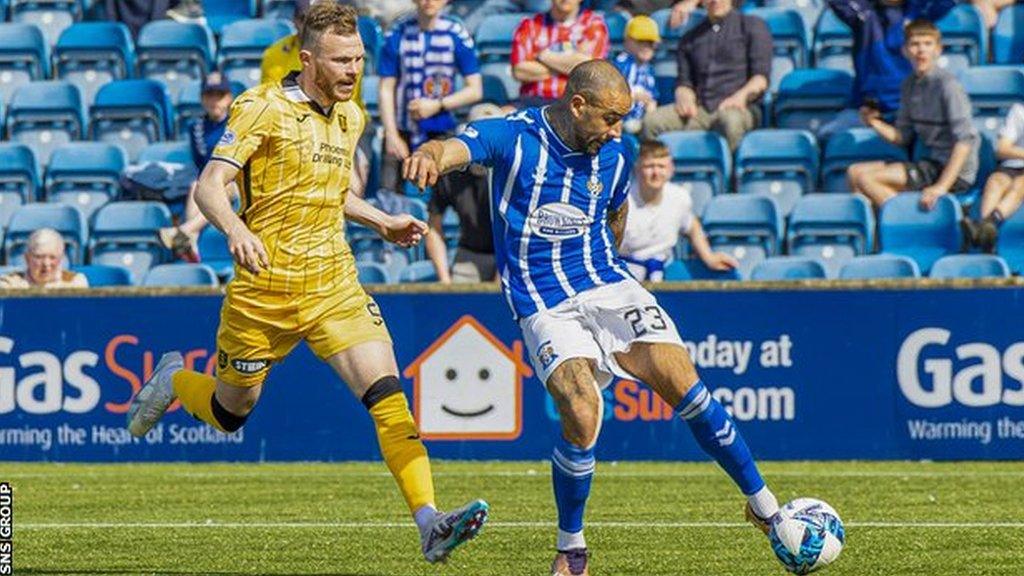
x=249, y=366
x=227, y=139
x=559, y=221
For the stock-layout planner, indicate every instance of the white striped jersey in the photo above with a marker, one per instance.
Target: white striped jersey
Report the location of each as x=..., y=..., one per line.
x=550, y=207
x=426, y=63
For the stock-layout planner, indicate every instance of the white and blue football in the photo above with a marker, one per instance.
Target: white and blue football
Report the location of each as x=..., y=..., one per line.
x=807, y=536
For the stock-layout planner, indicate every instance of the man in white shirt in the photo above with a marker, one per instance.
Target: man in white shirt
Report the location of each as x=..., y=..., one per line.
x=659, y=212
x=44, y=265
x=1004, y=189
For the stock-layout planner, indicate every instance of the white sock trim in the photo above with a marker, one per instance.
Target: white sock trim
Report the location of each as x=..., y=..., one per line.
x=424, y=517
x=763, y=503
x=570, y=540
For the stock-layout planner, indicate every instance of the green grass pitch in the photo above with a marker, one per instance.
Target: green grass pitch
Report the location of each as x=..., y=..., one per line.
x=902, y=518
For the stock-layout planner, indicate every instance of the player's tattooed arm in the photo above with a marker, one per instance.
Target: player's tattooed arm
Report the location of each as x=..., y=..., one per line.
x=433, y=159
x=617, y=222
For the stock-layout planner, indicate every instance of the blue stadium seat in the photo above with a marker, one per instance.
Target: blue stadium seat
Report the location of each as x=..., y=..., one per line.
x=372, y=273
x=371, y=97
x=91, y=54
x=67, y=220
x=101, y=275
x=833, y=43
x=174, y=53
x=694, y=269
x=747, y=226
x=964, y=38
x=281, y=9
x=180, y=274
x=810, y=11
x=131, y=114
x=213, y=250
x=19, y=179
x=125, y=233
x=85, y=174
x=789, y=41
x=222, y=13
x=418, y=273
x=702, y=160
x=175, y=152
x=495, y=91
x=451, y=228
x=905, y=229
x=879, y=266
x=1008, y=36
x=24, y=57
x=970, y=266
x=393, y=259
x=51, y=16
x=788, y=268
x=502, y=70
x=493, y=37
x=44, y=116
x=808, y=99
x=780, y=163
x=1011, y=242
x=992, y=89
x=373, y=41
x=616, y=22
x=242, y=46
x=189, y=107
x=19, y=173
x=849, y=147
x=832, y=228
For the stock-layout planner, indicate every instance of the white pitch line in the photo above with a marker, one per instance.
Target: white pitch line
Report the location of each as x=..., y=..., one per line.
x=604, y=472
x=389, y=525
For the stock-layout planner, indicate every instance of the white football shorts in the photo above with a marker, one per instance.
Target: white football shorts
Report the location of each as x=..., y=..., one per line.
x=596, y=324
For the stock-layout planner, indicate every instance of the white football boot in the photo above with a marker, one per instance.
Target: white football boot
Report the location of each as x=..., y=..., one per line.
x=156, y=395
x=452, y=529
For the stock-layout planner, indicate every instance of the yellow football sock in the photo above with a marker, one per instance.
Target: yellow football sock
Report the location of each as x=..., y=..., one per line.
x=195, y=391
x=403, y=451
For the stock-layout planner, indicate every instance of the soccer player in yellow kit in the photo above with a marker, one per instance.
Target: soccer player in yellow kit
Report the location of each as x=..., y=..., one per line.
x=289, y=147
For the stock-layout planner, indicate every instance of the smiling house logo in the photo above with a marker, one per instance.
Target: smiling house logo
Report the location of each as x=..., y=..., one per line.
x=468, y=385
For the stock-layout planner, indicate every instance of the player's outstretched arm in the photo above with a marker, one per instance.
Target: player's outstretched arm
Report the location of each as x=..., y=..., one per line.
x=212, y=199
x=401, y=229
x=433, y=159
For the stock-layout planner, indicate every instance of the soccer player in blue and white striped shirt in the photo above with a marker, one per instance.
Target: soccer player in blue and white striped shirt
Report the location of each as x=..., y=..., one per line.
x=559, y=186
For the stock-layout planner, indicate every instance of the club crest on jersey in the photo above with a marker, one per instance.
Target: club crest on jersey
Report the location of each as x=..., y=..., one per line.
x=558, y=221
x=437, y=86
x=594, y=186
x=227, y=139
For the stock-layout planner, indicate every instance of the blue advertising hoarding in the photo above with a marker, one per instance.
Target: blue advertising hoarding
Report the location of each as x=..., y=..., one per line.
x=807, y=374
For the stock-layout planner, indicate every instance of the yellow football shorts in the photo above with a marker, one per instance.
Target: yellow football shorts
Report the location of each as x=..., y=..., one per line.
x=259, y=327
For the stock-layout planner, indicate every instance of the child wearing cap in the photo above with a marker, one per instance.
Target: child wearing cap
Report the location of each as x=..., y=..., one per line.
x=641, y=40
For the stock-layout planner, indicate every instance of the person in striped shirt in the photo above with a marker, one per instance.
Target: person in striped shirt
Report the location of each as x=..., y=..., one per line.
x=547, y=46
x=560, y=181
x=641, y=40
x=421, y=58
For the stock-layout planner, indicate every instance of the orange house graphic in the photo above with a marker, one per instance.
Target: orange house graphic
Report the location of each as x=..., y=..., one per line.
x=468, y=385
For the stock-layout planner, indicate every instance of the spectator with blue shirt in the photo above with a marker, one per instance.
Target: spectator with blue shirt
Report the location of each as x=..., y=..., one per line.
x=640, y=41
x=204, y=133
x=420, y=60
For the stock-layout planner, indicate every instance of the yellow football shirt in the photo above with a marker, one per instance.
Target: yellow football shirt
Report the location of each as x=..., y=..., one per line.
x=282, y=57
x=294, y=162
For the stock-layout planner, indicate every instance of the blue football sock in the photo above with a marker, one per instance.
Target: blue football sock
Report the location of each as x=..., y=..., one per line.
x=572, y=469
x=716, y=433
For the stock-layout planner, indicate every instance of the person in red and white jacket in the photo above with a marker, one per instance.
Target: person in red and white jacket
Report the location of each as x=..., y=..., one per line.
x=547, y=46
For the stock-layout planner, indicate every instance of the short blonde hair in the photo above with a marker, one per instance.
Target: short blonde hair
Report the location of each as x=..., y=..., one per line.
x=44, y=237
x=332, y=17
x=921, y=27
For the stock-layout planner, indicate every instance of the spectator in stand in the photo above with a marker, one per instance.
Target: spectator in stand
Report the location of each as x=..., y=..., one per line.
x=660, y=212
x=547, y=46
x=935, y=110
x=467, y=192
x=990, y=10
x=641, y=40
x=724, y=64
x=136, y=13
x=282, y=57
x=681, y=9
x=492, y=7
x=44, y=265
x=418, y=66
x=204, y=134
x=878, y=61
x=1004, y=190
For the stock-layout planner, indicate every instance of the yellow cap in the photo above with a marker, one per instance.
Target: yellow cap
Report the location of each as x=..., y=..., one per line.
x=643, y=29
